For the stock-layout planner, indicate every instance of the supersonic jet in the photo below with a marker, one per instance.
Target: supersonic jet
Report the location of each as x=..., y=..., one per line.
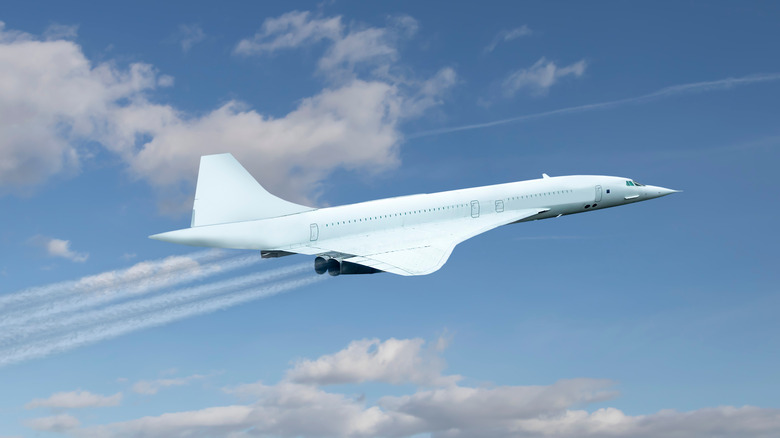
x=407, y=235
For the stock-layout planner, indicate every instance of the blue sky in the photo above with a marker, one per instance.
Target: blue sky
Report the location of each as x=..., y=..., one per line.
x=623, y=322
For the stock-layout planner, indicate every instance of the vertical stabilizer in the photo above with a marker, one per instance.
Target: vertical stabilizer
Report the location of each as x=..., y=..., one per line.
x=226, y=192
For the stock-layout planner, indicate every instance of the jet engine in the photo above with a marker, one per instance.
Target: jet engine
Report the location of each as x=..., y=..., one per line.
x=336, y=267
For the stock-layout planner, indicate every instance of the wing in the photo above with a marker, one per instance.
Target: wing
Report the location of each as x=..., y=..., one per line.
x=413, y=250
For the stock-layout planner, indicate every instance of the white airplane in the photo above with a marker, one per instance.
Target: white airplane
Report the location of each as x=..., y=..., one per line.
x=406, y=235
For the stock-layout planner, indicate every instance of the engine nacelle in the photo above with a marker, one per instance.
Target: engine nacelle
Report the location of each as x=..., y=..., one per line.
x=320, y=265
x=336, y=267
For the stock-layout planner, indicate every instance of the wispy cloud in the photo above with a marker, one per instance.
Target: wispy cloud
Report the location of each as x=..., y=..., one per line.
x=508, y=35
x=290, y=30
x=75, y=400
x=188, y=35
x=667, y=92
x=540, y=77
x=150, y=387
x=61, y=32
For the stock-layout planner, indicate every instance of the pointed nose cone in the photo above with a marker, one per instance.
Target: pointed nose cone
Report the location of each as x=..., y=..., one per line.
x=657, y=192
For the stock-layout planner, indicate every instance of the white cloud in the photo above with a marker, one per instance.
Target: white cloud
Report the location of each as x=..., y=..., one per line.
x=188, y=35
x=52, y=97
x=540, y=76
x=74, y=400
x=61, y=32
x=290, y=30
x=150, y=387
x=508, y=35
x=57, y=423
x=393, y=361
x=291, y=408
x=59, y=248
x=54, y=101
x=346, y=48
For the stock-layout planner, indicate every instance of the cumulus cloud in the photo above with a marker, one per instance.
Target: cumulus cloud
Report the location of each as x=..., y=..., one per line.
x=59, y=248
x=150, y=387
x=298, y=406
x=55, y=103
x=540, y=77
x=508, y=35
x=51, y=97
x=392, y=361
x=75, y=400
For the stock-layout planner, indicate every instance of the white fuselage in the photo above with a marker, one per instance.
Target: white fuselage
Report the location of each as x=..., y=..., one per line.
x=561, y=195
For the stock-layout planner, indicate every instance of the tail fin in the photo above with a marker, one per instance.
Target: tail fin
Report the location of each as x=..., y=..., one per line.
x=226, y=192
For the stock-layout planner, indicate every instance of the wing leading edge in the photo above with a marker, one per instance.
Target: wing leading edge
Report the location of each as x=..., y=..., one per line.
x=414, y=250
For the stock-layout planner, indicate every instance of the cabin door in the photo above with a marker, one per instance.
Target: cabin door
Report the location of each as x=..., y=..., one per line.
x=314, y=232
x=475, y=209
x=598, y=193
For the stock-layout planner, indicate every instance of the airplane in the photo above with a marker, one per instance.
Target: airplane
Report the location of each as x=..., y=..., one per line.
x=405, y=235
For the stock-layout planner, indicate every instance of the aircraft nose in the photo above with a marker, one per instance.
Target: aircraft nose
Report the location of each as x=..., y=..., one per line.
x=657, y=192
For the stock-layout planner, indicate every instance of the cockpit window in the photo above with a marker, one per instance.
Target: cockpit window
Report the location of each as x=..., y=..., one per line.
x=634, y=183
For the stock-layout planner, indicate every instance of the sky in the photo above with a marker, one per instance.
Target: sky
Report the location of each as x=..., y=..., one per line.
x=651, y=319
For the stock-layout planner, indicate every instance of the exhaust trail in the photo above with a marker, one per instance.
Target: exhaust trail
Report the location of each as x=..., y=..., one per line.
x=97, y=282
x=114, y=329
x=84, y=300
x=68, y=323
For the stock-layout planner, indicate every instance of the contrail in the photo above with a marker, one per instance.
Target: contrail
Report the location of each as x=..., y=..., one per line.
x=695, y=87
x=128, y=288
x=111, y=330
x=139, y=271
x=68, y=323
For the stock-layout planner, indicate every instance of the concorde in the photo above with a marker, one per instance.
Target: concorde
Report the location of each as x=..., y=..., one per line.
x=406, y=235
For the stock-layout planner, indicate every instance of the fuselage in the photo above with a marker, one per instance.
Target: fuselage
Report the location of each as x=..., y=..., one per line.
x=562, y=195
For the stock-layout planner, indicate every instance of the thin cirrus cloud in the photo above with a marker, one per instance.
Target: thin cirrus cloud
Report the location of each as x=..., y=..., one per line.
x=542, y=75
x=663, y=93
x=352, y=123
x=294, y=408
x=346, y=47
x=188, y=35
x=150, y=387
x=75, y=400
x=508, y=35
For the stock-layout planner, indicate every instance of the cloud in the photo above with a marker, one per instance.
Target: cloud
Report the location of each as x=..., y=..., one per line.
x=57, y=423
x=75, y=400
x=61, y=32
x=347, y=48
x=508, y=35
x=290, y=30
x=51, y=98
x=393, y=361
x=666, y=92
x=540, y=76
x=150, y=387
x=59, y=248
x=55, y=104
x=188, y=35
x=294, y=408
